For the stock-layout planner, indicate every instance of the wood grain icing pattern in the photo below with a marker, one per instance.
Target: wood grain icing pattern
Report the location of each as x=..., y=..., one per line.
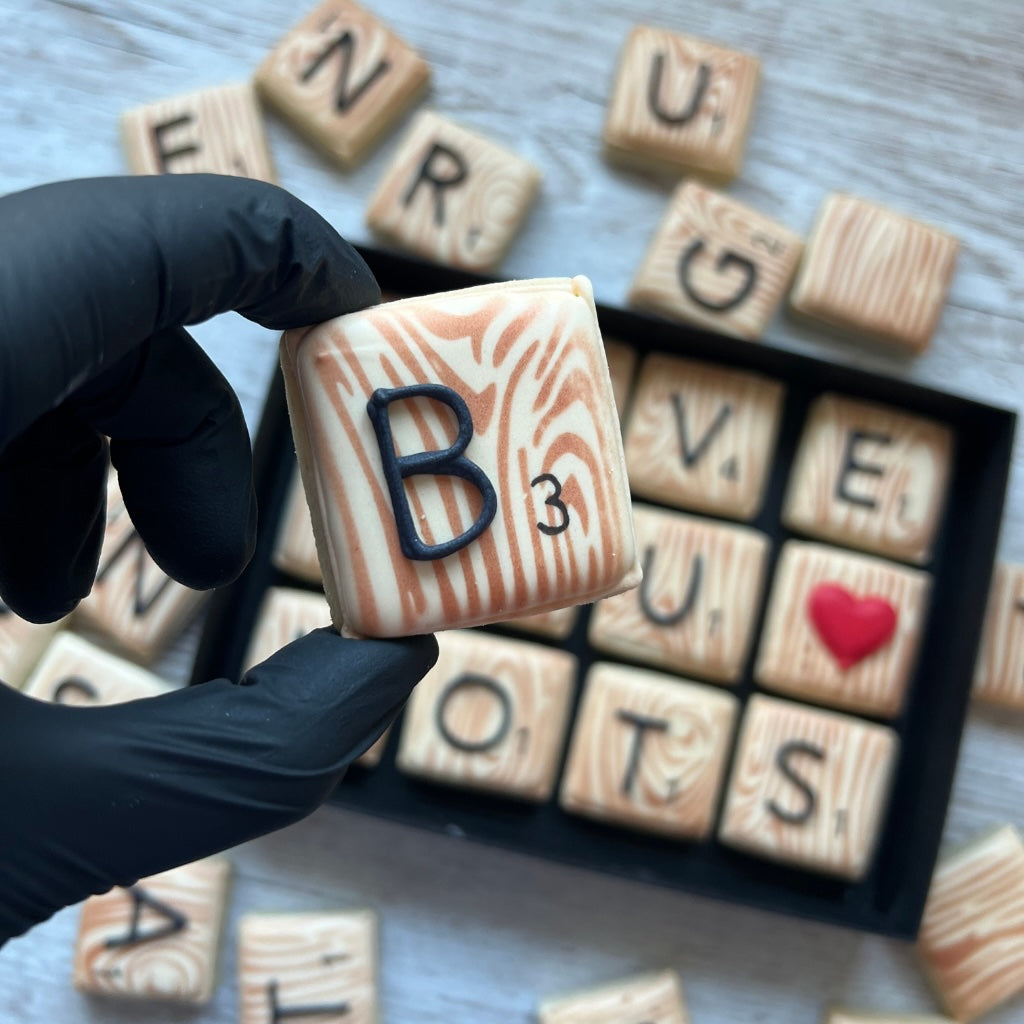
x=716, y=263
x=158, y=940
x=134, y=604
x=999, y=673
x=492, y=714
x=526, y=359
x=702, y=437
x=695, y=610
x=292, y=965
x=213, y=131
x=655, y=998
x=295, y=546
x=648, y=751
x=794, y=658
x=343, y=78
x=622, y=360
x=452, y=195
x=870, y=477
x=74, y=671
x=972, y=934
x=875, y=271
x=681, y=103
x=808, y=787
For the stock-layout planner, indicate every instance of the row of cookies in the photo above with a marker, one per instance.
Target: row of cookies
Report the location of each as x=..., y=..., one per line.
x=450, y=195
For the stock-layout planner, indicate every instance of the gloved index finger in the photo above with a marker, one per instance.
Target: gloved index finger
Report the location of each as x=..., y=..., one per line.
x=90, y=268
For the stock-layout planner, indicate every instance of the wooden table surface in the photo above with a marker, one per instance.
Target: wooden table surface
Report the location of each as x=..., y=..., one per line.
x=917, y=104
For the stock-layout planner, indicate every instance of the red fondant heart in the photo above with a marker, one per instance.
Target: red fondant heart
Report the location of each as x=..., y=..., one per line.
x=851, y=627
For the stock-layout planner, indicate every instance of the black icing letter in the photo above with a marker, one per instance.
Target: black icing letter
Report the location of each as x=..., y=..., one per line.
x=176, y=921
x=670, y=618
x=850, y=465
x=83, y=686
x=279, y=1013
x=726, y=258
x=165, y=155
x=445, y=462
x=782, y=759
x=345, y=44
x=431, y=175
x=654, y=92
x=484, y=683
x=641, y=724
x=143, y=601
x=691, y=456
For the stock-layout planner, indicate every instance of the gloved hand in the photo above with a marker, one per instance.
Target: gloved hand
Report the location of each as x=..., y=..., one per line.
x=96, y=280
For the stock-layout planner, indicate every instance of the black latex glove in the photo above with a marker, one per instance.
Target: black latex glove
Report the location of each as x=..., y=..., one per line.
x=96, y=280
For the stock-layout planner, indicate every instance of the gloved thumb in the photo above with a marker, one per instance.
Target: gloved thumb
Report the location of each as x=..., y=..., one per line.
x=101, y=796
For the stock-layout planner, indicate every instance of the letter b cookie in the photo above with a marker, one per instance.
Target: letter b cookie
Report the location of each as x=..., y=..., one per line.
x=462, y=457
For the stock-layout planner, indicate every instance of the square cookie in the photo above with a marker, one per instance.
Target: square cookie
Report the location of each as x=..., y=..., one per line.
x=157, y=940
x=285, y=615
x=453, y=196
x=213, y=131
x=320, y=965
x=342, y=78
x=462, y=456
x=874, y=271
x=74, y=671
x=648, y=751
x=295, y=546
x=491, y=714
x=971, y=939
x=133, y=604
x=696, y=607
x=870, y=477
x=999, y=673
x=808, y=788
x=702, y=437
x=681, y=104
x=842, y=629
x=716, y=263
x=655, y=998
x=21, y=645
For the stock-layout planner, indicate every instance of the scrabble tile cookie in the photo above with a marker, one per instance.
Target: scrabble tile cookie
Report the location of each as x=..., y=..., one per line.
x=681, y=104
x=648, y=751
x=285, y=615
x=491, y=714
x=874, y=271
x=695, y=609
x=21, y=645
x=133, y=604
x=809, y=788
x=214, y=131
x=320, y=965
x=74, y=671
x=870, y=477
x=702, y=437
x=999, y=673
x=716, y=263
x=972, y=933
x=295, y=546
x=157, y=940
x=452, y=196
x=463, y=457
x=342, y=78
x=655, y=998
x=842, y=629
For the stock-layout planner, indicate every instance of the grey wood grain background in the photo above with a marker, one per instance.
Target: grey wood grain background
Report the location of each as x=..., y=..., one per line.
x=916, y=104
